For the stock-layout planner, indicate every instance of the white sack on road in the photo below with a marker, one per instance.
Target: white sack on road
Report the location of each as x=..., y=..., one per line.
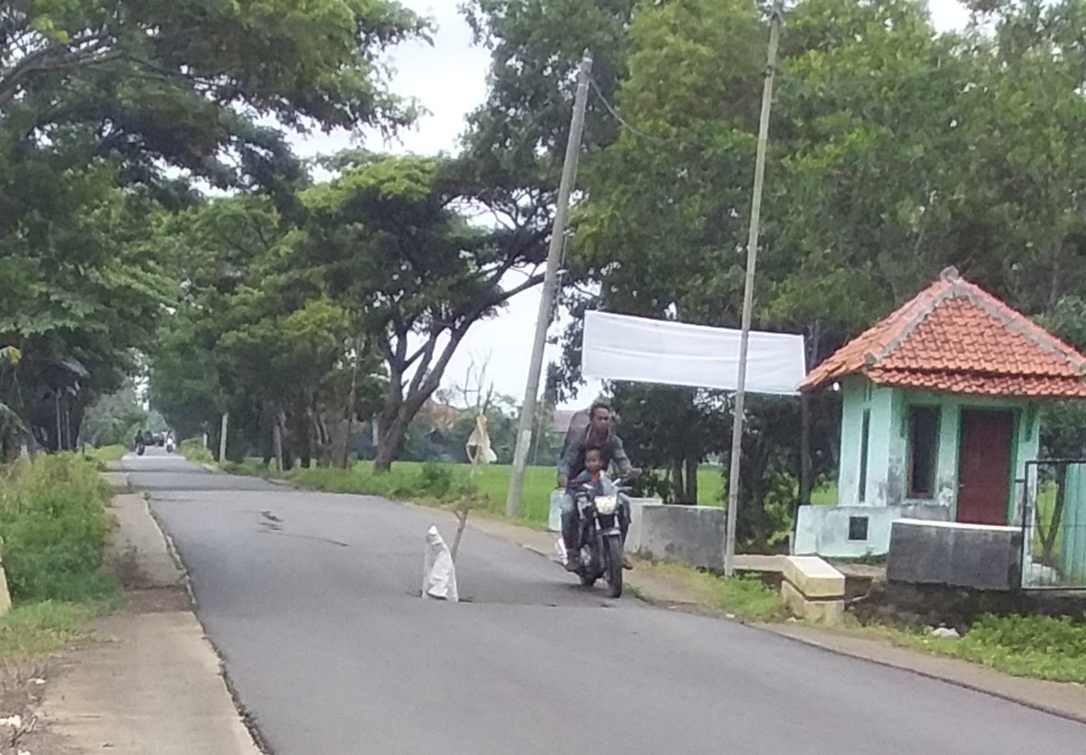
x=439, y=572
x=619, y=347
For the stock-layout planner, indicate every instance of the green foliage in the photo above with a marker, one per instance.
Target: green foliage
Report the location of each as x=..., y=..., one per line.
x=193, y=450
x=105, y=454
x=745, y=597
x=115, y=419
x=108, y=110
x=54, y=524
x=1041, y=647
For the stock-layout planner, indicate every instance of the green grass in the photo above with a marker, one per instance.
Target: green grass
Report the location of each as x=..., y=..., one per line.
x=747, y=597
x=193, y=450
x=1038, y=647
x=54, y=524
x=37, y=629
x=105, y=454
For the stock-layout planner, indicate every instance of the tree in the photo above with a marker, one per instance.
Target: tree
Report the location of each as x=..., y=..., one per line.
x=115, y=419
x=98, y=103
x=254, y=337
x=394, y=245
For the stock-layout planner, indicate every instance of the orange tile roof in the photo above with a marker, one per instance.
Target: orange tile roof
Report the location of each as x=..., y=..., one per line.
x=954, y=337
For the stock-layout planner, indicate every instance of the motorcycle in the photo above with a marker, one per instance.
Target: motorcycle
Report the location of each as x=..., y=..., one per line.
x=600, y=537
x=169, y=446
x=140, y=449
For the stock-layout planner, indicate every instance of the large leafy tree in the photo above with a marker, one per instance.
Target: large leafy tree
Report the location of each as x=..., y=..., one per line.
x=394, y=243
x=256, y=338
x=102, y=106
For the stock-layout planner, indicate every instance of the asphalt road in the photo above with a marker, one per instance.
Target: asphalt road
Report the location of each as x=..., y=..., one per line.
x=331, y=649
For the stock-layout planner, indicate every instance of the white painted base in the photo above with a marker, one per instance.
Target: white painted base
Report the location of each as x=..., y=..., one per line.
x=824, y=530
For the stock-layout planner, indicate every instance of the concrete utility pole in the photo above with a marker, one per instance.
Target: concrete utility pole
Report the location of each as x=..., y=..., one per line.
x=550, y=289
x=222, y=436
x=748, y=295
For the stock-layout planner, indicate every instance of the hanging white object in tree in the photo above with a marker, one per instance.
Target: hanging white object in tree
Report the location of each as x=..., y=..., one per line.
x=439, y=572
x=620, y=347
x=478, y=446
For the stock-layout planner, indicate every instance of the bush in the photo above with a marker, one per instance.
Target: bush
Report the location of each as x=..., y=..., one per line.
x=54, y=524
x=193, y=449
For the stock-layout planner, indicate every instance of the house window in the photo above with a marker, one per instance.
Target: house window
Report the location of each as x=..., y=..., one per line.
x=865, y=436
x=923, y=446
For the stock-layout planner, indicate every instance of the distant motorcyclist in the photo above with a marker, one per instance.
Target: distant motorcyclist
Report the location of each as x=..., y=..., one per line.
x=599, y=437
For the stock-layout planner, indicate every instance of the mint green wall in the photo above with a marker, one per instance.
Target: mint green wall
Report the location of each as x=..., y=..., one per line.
x=887, y=470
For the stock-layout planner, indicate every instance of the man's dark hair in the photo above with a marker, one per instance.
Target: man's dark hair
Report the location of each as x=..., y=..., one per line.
x=596, y=407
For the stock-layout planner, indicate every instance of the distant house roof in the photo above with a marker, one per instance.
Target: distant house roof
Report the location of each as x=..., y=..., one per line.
x=442, y=417
x=954, y=337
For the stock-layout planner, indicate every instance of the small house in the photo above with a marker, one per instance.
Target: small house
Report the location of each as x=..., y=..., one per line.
x=939, y=417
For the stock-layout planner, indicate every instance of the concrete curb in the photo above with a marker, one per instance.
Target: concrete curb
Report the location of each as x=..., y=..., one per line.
x=245, y=717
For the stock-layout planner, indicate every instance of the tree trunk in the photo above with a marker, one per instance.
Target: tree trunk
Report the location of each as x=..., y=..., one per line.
x=692, y=480
x=391, y=442
x=277, y=442
x=352, y=398
x=1049, y=544
x=677, y=488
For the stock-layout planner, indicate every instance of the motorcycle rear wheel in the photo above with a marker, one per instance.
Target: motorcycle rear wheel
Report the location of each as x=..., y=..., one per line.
x=614, y=566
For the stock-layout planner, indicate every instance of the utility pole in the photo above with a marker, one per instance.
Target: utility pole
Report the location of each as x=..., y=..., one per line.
x=550, y=289
x=222, y=436
x=748, y=295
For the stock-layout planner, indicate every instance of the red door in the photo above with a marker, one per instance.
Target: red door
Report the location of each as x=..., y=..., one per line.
x=984, y=466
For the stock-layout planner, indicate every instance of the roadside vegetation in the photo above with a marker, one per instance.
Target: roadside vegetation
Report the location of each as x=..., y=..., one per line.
x=1039, y=647
x=54, y=524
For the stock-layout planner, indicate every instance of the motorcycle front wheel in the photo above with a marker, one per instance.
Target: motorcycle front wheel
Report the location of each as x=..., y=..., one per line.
x=614, y=566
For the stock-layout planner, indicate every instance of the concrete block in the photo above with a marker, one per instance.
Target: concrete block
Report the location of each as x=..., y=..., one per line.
x=980, y=557
x=813, y=577
x=689, y=535
x=817, y=611
x=633, y=537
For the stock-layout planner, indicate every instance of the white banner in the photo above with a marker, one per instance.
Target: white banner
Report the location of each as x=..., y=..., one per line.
x=620, y=347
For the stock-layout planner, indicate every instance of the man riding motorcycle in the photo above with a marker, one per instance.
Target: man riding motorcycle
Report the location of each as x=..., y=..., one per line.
x=597, y=436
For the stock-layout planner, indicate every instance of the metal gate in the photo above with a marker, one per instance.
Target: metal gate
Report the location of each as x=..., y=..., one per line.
x=1051, y=509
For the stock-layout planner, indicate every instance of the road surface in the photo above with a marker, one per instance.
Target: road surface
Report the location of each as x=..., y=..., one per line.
x=313, y=600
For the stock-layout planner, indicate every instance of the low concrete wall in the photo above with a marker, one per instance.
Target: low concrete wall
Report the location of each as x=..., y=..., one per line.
x=690, y=535
x=961, y=555
x=824, y=530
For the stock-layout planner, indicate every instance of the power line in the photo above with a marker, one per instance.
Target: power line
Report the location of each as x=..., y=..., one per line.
x=625, y=123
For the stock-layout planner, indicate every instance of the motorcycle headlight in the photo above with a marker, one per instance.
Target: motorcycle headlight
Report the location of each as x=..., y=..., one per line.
x=606, y=504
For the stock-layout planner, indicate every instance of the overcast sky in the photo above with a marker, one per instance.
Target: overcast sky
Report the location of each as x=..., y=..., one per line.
x=449, y=79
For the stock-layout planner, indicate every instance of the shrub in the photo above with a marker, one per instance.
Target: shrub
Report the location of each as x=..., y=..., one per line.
x=193, y=449
x=54, y=524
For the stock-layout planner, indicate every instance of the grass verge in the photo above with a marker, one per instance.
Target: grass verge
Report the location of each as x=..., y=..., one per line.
x=746, y=597
x=54, y=523
x=1038, y=647
x=33, y=630
x=105, y=455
